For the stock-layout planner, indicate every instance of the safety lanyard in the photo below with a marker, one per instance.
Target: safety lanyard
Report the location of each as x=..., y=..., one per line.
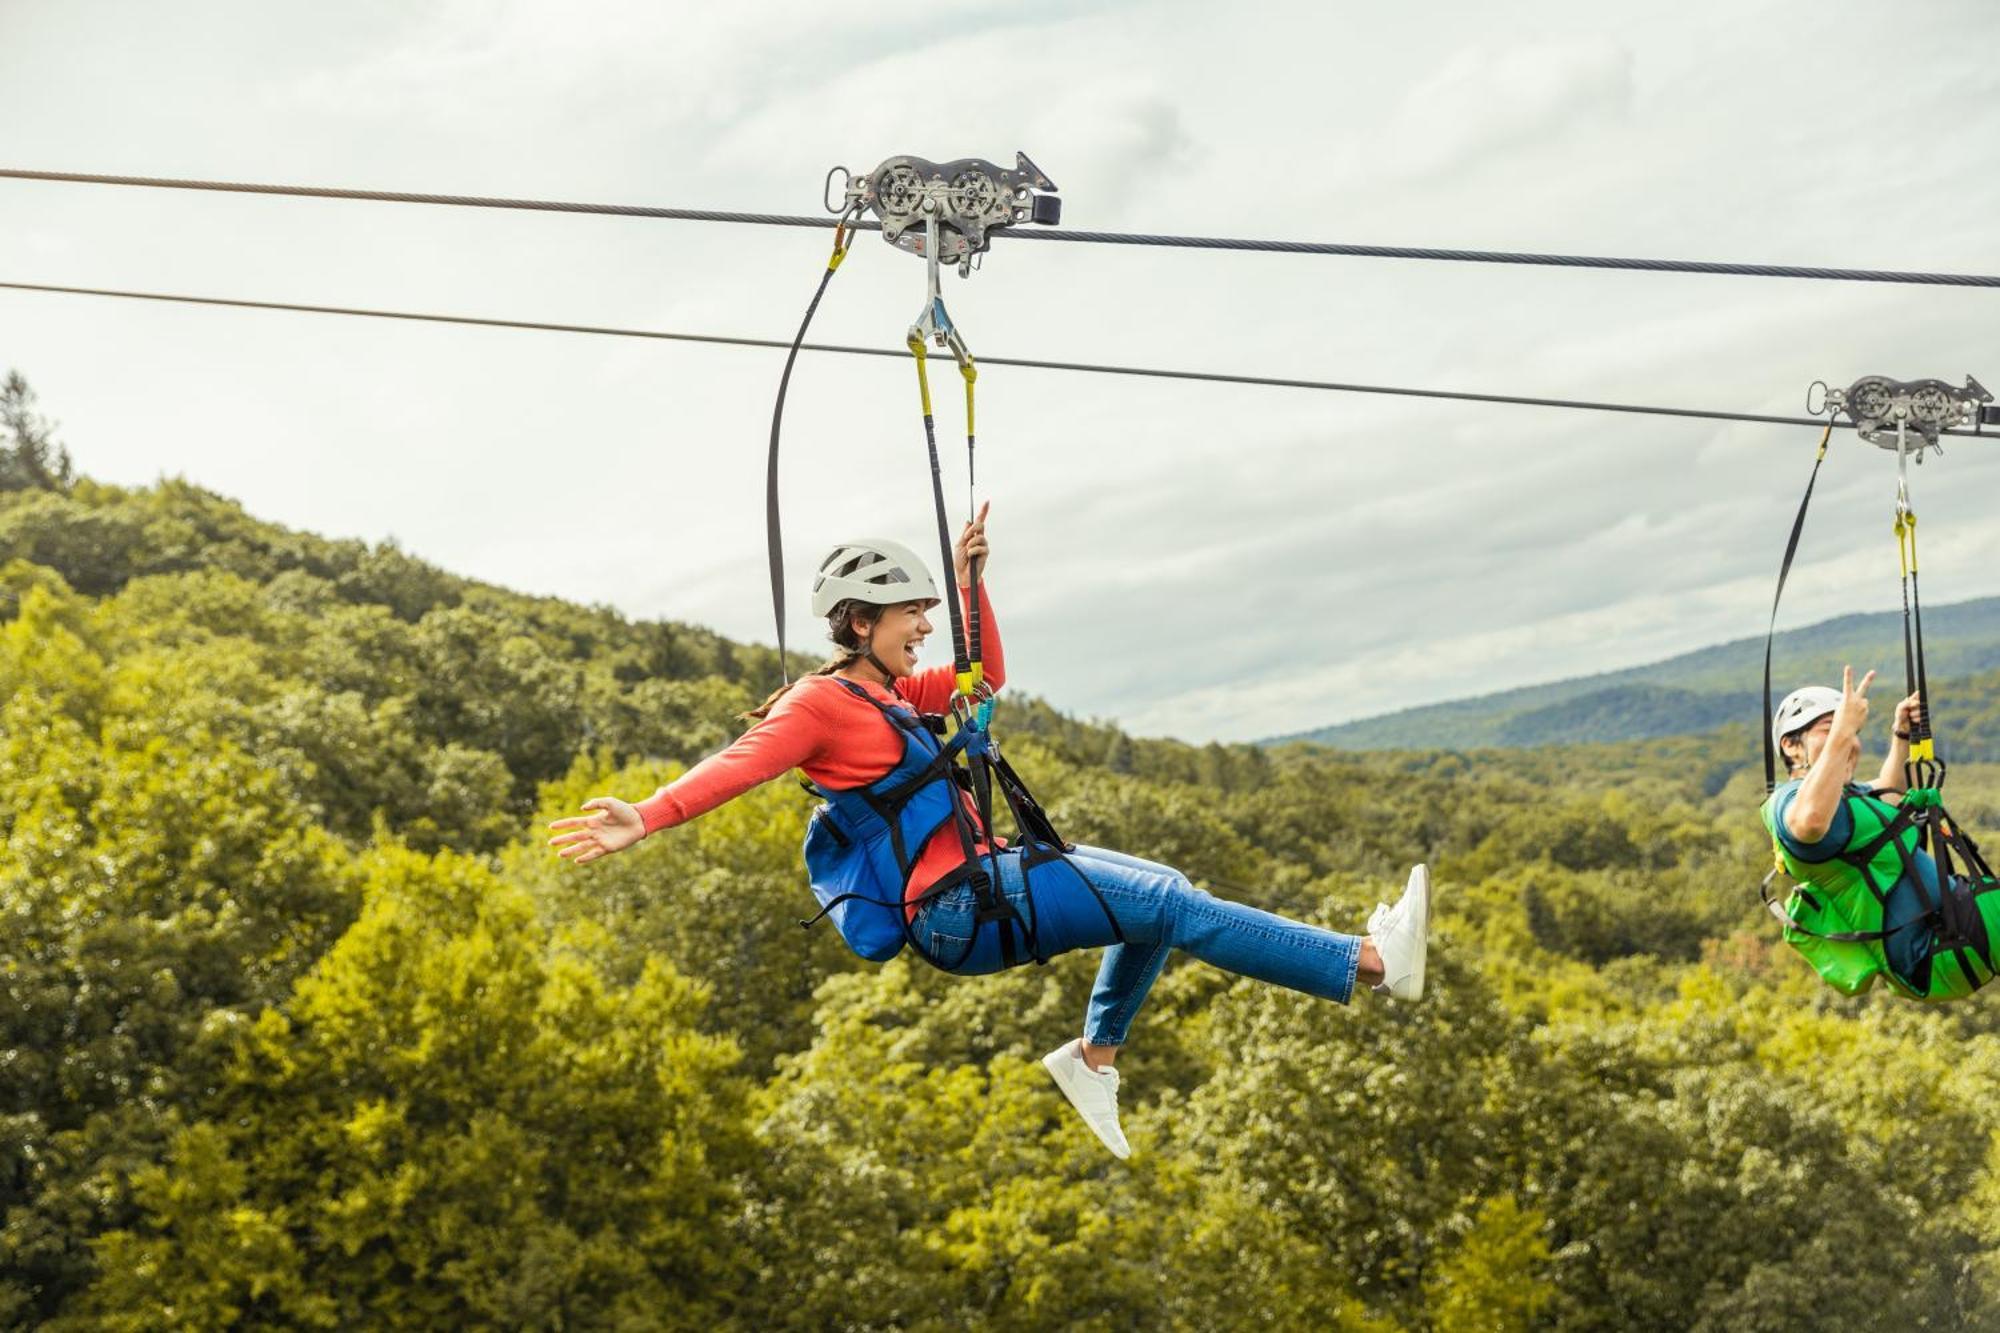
x=934, y=323
x=1770, y=634
x=1923, y=769
x=843, y=237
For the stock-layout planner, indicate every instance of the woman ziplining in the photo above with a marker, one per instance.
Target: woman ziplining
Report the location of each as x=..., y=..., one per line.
x=1877, y=887
x=902, y=853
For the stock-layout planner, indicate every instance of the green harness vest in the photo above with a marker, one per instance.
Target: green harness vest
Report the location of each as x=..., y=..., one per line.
x=1835, y=913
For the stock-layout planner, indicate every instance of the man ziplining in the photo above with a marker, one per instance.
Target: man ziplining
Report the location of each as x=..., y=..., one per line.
x=1870, y=901
x=1877, y=892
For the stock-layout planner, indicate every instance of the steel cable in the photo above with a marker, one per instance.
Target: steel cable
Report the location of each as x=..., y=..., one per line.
x=1459, y=256
x=1026, y=363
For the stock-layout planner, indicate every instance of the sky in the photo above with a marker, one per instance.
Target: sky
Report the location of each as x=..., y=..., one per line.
x=1200, y=561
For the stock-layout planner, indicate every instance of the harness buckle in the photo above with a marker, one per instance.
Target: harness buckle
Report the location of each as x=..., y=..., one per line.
x=989, y=904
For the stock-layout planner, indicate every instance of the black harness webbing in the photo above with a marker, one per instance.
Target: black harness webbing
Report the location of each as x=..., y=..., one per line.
x=1953, y=916
x=1037, y=842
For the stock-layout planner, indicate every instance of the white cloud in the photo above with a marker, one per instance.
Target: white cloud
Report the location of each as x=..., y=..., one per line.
x=1632, y=632
x=1486, y=100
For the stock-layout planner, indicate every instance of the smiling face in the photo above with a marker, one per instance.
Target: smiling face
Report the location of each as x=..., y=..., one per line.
x=896, y=636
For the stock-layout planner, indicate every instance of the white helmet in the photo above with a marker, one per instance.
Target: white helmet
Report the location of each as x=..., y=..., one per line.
x=1801, y=708
x=872, y=570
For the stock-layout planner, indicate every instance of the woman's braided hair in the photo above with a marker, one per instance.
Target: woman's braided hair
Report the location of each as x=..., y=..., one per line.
x=840, y=628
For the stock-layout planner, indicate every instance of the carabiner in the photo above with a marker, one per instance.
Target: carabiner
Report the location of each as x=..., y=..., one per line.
x=843, y=237
x=846, y=191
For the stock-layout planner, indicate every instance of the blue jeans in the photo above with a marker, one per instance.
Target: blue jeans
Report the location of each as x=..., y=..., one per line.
x=1157, y=909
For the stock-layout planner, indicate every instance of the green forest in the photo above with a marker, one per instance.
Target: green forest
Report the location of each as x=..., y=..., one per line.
x=302, y=1026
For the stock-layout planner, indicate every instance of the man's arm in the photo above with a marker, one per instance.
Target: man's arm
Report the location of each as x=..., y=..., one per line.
x=1909, y=713
x=1889, y=782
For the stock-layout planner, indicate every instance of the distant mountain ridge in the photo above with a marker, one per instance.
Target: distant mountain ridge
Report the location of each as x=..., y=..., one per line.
x=1694, y=692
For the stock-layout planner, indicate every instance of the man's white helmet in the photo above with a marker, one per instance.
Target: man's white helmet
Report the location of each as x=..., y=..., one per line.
x=872, y=570
x=1800, y=709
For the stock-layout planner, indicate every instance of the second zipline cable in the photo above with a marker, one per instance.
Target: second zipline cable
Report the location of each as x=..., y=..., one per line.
x=1025, y=363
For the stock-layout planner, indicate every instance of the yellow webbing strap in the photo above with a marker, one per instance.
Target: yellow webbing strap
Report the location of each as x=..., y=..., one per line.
x=970, y=681
x=1924, y=750
x=971, y=374
x=923, y=375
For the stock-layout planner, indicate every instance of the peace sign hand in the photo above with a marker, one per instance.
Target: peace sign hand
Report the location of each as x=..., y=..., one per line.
x=1853, y=710
x=615, y=826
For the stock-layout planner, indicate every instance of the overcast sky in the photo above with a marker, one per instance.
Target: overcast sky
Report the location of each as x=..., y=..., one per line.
x=1200, y=561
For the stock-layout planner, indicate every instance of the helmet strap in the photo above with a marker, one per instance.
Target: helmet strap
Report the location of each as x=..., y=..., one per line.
x=888, y=676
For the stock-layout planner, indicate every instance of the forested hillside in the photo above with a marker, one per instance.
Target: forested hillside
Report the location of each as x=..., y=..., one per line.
x=1713, y=687
x=302, y=1025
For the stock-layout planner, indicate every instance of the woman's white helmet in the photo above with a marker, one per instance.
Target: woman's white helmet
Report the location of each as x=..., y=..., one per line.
x=1800, y=709
x=872, y=570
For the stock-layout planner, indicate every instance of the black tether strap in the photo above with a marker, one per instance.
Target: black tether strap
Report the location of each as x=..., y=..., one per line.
x=1770, y=635
x=961, y=659
x=774, y=539
x=1924, y=767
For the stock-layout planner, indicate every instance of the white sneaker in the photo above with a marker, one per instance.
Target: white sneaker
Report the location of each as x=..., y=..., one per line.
x=1093, y=1092
x=1400, y=933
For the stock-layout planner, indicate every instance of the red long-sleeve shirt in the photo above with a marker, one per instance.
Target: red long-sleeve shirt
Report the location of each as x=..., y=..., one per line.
x=838, y=740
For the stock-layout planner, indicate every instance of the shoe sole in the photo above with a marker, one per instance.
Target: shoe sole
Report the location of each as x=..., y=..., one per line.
x=1416, y=982
x=1051, y=1062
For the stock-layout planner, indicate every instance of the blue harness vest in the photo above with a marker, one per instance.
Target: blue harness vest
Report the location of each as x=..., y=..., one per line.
x=862, y=844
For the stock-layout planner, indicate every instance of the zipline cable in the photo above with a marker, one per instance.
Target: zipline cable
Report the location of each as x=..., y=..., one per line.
x=1154, y=240
x=1024, y=363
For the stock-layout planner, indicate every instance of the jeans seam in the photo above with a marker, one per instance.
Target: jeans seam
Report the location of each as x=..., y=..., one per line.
x=1123, y=1019
x=1266, y=933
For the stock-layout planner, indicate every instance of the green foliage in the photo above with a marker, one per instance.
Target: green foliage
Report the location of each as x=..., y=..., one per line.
x=305, y=1027
x=719, y=901
x=156, y=874
x=457, y=1122
x=1492, y=1281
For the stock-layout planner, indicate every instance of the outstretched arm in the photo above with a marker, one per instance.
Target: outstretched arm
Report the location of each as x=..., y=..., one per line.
x=771, y=749
x=775, y=746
